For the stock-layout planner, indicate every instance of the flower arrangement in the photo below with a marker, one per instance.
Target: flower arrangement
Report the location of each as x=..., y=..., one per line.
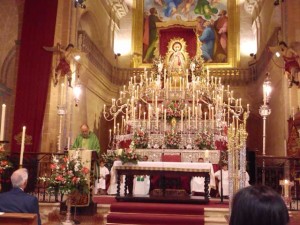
x=129, y=155
x=4, y=162
x=172, y=139
x=174, y=110
x=205, y=141
x=109, y=159
x=67, y=176
x=140, y=139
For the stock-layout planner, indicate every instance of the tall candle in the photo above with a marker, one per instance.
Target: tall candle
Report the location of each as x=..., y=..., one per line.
x=193, y=106
x=165, y=120
x=122, y=124
x=109, y=135
x=189, y=115
x=205, y=121
x=22, y=146
x=149, y=116
x=140, y=110
x=2, y=122
x=196, y=112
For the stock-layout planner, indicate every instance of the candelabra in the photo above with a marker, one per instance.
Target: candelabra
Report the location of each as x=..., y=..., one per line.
x=237, y=136
x=265, y=111
x=197, y=102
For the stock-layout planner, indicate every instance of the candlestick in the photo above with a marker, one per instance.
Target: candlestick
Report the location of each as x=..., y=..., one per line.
x=22, y=146
x=2, y=122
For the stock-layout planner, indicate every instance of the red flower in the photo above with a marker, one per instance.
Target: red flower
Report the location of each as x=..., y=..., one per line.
x=85, y=170
x=52, y=166
x=59, y=178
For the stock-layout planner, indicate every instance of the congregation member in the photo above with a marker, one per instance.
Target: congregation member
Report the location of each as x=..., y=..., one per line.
x=86, y=139
x=261, y=205
x=16, y=200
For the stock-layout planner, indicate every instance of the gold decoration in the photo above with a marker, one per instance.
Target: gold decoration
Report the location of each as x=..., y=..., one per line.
x=18, y=139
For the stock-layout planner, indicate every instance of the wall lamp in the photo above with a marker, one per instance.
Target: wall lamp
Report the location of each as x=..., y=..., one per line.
x=253, y=55
x=80, y=3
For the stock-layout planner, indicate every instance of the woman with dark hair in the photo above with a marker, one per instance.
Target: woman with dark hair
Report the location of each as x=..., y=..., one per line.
x=258, y=205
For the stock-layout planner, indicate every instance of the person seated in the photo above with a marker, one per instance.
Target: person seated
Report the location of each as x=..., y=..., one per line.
x=197, y=183
x=258, y=205
x=100, y=184
x=16, y=200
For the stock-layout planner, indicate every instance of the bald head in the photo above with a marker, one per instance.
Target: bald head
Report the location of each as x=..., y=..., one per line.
x=19, y=178
x=85, y=130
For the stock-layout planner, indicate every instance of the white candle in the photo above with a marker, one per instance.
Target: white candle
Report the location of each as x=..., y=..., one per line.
x=196, y=123
x=165, y=120
x=181, y=125
x=122, y=124
x=193, y=106
x=248, y=108
x=22, y=146
x=149, y=116
x=2, y=122
x=189, y=115
x=205, y=120
x=109, y=135
x=140, y=110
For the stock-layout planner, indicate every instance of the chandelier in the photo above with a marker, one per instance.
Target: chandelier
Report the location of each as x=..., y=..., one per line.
x=188, y=103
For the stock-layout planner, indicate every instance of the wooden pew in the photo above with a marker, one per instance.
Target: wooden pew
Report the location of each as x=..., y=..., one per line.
x=18, y=219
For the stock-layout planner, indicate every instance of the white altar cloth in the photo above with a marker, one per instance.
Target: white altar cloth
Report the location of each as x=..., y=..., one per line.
x=168, y=166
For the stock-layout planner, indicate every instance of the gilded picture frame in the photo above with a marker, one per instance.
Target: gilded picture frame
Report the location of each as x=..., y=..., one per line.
x=233, y=31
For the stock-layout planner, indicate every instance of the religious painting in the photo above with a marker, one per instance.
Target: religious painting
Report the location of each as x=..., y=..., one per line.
x=207, y=27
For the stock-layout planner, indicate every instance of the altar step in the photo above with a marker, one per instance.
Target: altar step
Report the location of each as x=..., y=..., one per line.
x=161, y=214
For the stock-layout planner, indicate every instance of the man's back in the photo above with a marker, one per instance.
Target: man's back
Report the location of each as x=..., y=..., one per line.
x=16, y=200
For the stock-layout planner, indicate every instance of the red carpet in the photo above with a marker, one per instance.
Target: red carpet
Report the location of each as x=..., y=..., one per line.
x=155, y=214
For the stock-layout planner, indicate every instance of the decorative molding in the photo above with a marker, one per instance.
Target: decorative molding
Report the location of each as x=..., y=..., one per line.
x=249, y=5
x=119, y=7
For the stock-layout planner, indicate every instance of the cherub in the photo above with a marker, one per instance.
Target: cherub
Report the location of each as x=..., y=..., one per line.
x=64, y=63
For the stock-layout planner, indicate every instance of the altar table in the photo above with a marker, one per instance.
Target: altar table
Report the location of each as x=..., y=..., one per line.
x=162, y=169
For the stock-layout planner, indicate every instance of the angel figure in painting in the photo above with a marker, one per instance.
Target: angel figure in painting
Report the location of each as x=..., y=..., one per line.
x=291, y=65
x=63, y=67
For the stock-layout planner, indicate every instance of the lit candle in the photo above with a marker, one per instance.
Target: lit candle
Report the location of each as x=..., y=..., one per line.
x=196, y=123
x=193, y=106
x=2, y=122
x=293, y=113
x=118, y=128
x=140, y=110
x=157, y=112
x=248, y=110
x=181, y=125
x=109, y=135
x=126, y=115
x=22, y=146
x=149, y=116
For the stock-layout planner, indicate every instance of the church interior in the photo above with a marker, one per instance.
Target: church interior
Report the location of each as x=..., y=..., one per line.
x=163, y=84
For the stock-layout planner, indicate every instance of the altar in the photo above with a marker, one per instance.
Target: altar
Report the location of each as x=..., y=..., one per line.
x=162, y=169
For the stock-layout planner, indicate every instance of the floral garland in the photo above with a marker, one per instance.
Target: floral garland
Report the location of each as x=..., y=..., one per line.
x=174, y=110
x=205, y=141
x=67, y=176
x=140, y=139
x=129, y=155
x=4, y=162
x=172, y=139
